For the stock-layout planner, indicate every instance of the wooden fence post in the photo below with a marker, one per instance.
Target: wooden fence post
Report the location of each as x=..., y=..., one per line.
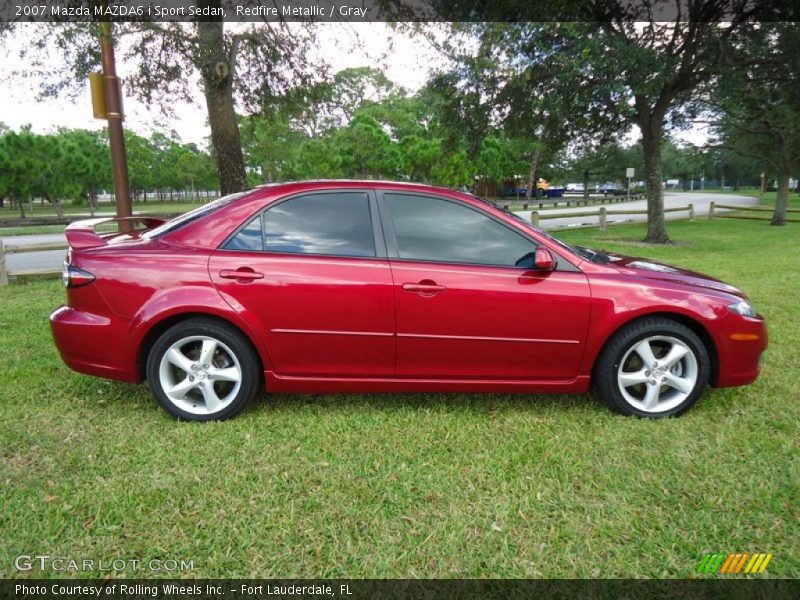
x=602, y=218
x=3, y=271
x=535, y=218
x=711, y=210
x=691, y=212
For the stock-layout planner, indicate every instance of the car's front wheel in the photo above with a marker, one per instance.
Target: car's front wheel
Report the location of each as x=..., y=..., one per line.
x=202, y=370
x=655, y=367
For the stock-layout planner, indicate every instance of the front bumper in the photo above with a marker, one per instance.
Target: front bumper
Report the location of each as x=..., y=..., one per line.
x=740, y=344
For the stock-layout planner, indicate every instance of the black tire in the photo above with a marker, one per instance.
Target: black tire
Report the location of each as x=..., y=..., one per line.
x=622, y=342
x=233, y=342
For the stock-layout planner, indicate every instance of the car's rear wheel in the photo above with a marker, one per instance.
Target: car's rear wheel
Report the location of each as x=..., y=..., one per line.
x=655, y=367
x=203, y=370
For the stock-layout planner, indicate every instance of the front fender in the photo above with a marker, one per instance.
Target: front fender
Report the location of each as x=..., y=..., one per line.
x=616, y=303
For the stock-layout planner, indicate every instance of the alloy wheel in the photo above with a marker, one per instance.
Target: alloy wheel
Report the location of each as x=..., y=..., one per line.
x=657, y=373
x=200, y=375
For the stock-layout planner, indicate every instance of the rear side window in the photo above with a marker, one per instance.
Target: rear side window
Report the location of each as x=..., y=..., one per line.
x=249, y=239
x=337, y=224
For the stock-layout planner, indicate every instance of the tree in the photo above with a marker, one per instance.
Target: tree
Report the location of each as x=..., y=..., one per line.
x=366, y=149
x=662, y=67
x=532, y=81
x=17, y=164
x=757, y=102
x=90, y=163
x=169, y=58
x=141, y=160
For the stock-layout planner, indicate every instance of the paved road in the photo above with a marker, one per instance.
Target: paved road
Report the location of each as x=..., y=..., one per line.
x=54, y=259
x=671, y=200
x=35, y=260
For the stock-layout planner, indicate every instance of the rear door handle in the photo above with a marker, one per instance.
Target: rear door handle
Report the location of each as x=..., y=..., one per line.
x=241, y=274
x=425, y=287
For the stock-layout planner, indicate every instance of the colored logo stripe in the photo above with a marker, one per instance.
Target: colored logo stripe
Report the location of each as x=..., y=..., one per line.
x=734, y=563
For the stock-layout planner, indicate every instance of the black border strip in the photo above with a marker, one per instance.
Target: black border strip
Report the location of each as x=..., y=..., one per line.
x=352, y=11
x=357, y=589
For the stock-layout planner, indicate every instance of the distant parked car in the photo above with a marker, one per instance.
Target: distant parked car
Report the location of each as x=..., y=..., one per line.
x=608, y=187
x=575, y=187
x=365, y=286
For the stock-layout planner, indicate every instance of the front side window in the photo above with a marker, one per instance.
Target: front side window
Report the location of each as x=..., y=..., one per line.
x=437, y=230
x=338, y=224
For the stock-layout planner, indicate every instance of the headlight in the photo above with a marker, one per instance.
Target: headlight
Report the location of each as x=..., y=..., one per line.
x=742, y=307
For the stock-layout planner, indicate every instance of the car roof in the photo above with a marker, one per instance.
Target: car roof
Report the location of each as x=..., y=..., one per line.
x=285, y=186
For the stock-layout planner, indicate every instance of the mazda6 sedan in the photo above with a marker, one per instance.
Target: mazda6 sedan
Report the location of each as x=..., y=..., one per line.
x=365, y=286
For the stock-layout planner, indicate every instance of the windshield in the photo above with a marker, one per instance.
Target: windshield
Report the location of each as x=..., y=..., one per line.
x=545, y=234
x=192, y=215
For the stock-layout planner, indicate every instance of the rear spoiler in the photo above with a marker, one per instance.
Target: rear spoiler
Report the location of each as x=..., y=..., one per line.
x=82, y=234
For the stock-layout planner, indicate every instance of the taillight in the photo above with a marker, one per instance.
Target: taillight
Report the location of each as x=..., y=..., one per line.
x=72, y=276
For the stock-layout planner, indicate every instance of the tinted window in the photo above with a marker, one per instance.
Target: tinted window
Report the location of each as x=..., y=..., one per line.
x=438, y=230
x=336, y=223
x=193, y=215
x=249, y=237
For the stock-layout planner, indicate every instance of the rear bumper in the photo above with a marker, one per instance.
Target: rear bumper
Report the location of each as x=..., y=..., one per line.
x=93, y=344
x=740, y=345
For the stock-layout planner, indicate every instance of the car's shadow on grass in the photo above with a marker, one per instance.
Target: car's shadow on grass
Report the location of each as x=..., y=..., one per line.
x=587, y=405
x=486, y=403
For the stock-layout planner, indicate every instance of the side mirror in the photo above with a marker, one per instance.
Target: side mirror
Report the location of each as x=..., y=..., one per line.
x=543, y=259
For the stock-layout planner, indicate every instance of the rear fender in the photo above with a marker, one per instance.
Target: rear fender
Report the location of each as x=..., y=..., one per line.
x=169, y=306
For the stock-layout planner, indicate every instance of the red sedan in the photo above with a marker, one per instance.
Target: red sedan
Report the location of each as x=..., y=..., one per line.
x=365, y=286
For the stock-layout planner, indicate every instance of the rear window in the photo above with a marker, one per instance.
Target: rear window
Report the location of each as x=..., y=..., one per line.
x=193, y=215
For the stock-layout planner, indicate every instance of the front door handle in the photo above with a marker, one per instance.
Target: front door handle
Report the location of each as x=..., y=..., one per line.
x=426, y=287
x=242, y=274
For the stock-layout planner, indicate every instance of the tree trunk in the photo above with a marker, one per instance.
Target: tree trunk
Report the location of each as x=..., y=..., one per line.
x=652, y=134
x=21, y=206
x=782, y=201
x=530, y=187
x=216, y=65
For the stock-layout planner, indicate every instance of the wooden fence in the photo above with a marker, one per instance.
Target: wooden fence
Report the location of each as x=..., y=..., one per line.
x=6, y=250
x=603, y=215
x=554, y=202
x=762, y=209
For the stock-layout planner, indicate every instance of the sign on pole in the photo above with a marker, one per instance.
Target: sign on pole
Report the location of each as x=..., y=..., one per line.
x=629, y=175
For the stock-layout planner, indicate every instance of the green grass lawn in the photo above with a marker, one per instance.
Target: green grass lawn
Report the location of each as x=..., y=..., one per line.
x=69, y=208
x=424, y=485
x=31, y=230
